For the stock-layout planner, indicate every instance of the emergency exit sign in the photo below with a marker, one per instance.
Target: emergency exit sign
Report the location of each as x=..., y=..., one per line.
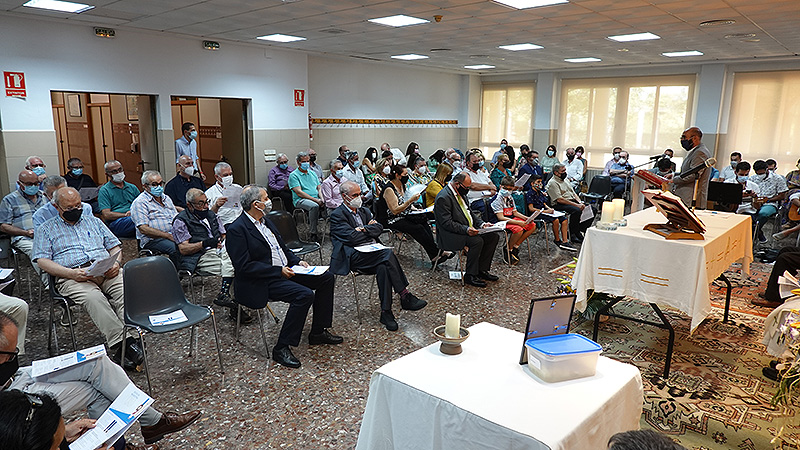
x=15, y=84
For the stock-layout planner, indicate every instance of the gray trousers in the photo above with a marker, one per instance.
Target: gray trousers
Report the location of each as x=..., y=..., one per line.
x=313, y=212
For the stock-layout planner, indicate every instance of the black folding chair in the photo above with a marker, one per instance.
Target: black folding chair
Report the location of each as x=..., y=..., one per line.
x=599, y=189
x=287, y=228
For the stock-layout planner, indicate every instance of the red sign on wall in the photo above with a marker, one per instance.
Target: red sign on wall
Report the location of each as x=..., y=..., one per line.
x=15, y=84
x=299, y=97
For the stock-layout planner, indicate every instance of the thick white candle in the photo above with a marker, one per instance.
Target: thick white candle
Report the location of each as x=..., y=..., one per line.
x=452, y=325
x=619, y=208
x=607, y=213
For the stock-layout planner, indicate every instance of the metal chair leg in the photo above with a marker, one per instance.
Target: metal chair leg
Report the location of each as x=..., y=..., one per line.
x=238, y=320
x=216, y=339
x=146, y=363
x=51, y=330
x=191, y=340
x=68, y=311
x=355, y=295
x=263, y=336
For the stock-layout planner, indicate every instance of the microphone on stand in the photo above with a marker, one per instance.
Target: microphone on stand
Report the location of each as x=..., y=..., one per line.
x=707, y=163
x=653, y=158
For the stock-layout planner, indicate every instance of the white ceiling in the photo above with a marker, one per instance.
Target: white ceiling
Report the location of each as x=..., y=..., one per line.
x=471, y=29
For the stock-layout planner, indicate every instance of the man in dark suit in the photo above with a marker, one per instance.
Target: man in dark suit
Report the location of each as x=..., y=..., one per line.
x=351, y=226
x=457, y=227
x=262, y=265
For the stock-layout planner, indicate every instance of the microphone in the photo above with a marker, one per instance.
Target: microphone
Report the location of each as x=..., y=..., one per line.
x=707, y=163
x=653, y=158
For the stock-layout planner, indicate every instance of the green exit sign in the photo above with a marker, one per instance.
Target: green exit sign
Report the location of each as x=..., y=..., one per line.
x=211, y=45
x=105, y=32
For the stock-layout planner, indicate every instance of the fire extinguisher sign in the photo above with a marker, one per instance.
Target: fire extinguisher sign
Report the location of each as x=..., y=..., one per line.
x=15, y=84
x=299, y=97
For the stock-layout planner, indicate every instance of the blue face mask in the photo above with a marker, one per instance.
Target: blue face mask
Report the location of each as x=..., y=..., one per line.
x=193, y=135
x=305, y=166
x=339, y=173
x=157, y=191
x=283, y=166
x=742, y=178
x=504, y=193
x=77, y=172
x=39, y=171
x=356, y=164
x=30, y=190
x=502, y=146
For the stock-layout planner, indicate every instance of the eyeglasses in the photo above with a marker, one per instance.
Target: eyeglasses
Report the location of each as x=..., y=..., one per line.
x=202, y=203
x=115, y=171
x=33, y=183
x=38, y=165
x=13, y=355
x=154, y=184
x=35, y=402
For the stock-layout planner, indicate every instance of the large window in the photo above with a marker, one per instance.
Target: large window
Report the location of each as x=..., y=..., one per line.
x=765, y=118
x=643, y=115
x=506, y=113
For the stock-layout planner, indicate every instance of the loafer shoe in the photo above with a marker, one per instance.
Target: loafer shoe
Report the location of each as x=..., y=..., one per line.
x=224, y=300
x=771, y=373
x=116, y=356
x=387, y=318
x=324, y=338
x=473, y=280
x=170, y=422
x=765, y=303
x=285, y=357
x=487, y=276
x=410, y=302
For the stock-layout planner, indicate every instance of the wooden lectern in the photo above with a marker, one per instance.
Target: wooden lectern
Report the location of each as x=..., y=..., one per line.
x=681, y=222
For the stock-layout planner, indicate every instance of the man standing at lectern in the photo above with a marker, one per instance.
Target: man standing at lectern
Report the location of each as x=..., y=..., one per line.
x=691, y=141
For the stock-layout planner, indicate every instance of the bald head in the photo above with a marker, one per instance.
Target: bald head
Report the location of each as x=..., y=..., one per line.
x=385, y=146
x=693, y=131
x=67, y=198
x=693, y=136
x=28, y=177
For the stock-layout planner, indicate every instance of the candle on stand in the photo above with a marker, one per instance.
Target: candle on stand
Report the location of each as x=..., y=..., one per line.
x=619, y=208
x=452, y=325
x=607, y=213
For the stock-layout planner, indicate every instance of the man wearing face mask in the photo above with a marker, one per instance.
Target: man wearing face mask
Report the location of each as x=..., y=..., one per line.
x=181, y=183
x=65, y=247
x=729, y=172
x=620, y=174
x=186, y=145
x=352, y=225
x=531, y=167
x=263, y=266
x=771, y=191
x=16, y=213
x=227, y=213
x=574, y=168
x=152, y=213
x=278, y=181
x=114, y=201
x=482, y=186
x=352, y=172
x=312, y=163
x=457, y=227
x=51, y=184
x=329, y=189
x=749, y=188
x=691, y=141
x=503, y=145
x=37, y=166
x=79, y=180
x=565, y=199
x=305, y=192
x=614, y=159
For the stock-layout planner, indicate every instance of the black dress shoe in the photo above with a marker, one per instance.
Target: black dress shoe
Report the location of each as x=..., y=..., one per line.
x=473, y=280
x=224, y=300
x=410, y=302
x=134, y=351
x=387, y=318
x=771, y=373
x=487, y=276
x=116, y=356
x=246, y=319
x=324, y=338
x=285, y=357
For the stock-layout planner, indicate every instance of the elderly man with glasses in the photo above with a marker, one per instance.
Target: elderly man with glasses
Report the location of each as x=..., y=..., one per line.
x=16, y=212
x=152, y=212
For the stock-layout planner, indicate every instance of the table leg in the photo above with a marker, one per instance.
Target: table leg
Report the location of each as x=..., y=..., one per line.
x=727, y=296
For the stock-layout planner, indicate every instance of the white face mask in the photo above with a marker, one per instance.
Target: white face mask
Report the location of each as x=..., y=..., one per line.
x=227, y=181
x=188, y=170
x=118, y=177
x=422, y=169
x=267, y=206
x=355, y=203
x=386, y=170
x=623, y=160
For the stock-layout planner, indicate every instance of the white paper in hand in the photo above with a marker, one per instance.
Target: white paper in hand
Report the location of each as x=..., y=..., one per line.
x=587, y=213
x=522, y=180
x=120, y=415
x=310, y=270
x=50, y=365
x=369, y=248
x=414, y=190
x=233, y=194
x=101, y=266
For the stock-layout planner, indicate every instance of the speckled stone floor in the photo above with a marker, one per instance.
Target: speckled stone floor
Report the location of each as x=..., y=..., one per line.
x=258, y=404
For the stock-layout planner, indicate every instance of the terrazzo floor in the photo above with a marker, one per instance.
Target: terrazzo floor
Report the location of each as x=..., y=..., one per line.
x=257, y=404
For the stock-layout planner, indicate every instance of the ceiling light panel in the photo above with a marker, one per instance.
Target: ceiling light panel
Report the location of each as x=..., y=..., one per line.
x=525, y=4
x=57, y=5
x=479, y=66
x=410, y=57
x=519, y=47
x=684, y=53
x=583, y=60
x=398, y=21
x=634, y=37
x=281, y=38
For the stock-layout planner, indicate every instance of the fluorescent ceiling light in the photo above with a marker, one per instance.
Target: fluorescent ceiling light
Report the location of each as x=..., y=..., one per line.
x=525, y=4
x=679, y=54
x=582, y=60
x=398, y=21
x=634, y=37
x=281, y=38
x=479, y=67
x=518, y=47
x=410, y=57
x=57, y=5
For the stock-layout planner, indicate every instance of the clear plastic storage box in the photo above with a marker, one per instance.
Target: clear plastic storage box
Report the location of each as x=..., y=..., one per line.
x=562, y=357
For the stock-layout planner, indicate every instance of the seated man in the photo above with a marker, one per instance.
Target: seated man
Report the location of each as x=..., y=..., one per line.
x=531, y=167
x=343, y=149
x=352, y=225
x=37, y=166
x=729, y=172
x=616, y=155
x=574, y=169
x=312, y=163
x=176, y=187
x=329, y=189
x=114, y=201
x=620, y=173
x=227, y=212
x=152, y=212
x=793, y=202
x=565, y=199
x=16, y=213
x=278, y=181
x=457, y=227
x=481, y=186
x=537, y=200
x=771, y=191
x=663, y=169
x=91, y=385
x=516, y=223
x=263, y=273
x=64, y=247
x=79, y=180
x=305, y=192
x=199, y=234
x=51, y=184
x=749, y=189
x=17, y=309
x=788, y=259
x=353, y=173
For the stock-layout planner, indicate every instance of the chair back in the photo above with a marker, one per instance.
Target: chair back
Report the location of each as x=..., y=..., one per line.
x=601, y=185
x=5, y=246
x=151, y=287
x=285, y=224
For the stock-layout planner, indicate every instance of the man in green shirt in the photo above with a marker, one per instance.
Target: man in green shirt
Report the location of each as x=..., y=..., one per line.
x=304, y=184
x=114, y=201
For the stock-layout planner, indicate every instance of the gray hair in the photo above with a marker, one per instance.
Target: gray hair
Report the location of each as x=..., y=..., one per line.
x=460, y=177
x=300, y=156
x=281, y=155
x=28, y=160
x=192, y=195
x=336, y=162
x=109, y=163
x=349, y=154
x=57, y=195
x=54, y=181
x=251, y=194
x=5, y=320
x=221, y=165
x=346, y=187
x=148, y=174
x=557, y=167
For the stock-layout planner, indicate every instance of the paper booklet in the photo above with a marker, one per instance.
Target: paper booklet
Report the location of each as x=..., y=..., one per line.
x=421, y=211
x=499, y=226
x=414, y=190
x=522, y=180
x=101, y=266
x=233, y=194
x=533, y=216
x=587, y=213
x=788, y=285
x=555, y=214
x=310, y=270
x=369, y=248
x=115, y=421
x=56, y=363
x=176, y=316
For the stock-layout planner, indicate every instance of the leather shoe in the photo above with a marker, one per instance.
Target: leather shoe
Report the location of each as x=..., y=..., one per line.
x=324, y=338
x=170, y=422
x=285, y=357
x=473, y=280
x=410, y=302
x=771, y=373
x=487, y=276
x=387, y=318
x=129, y=446
x=134, y=350
x=765, y=303
x=116, y=356
x=224, y=301
x=246, y=319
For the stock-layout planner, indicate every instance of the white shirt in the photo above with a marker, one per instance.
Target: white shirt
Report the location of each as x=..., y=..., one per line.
x=727, y=173
x=744, y=208
x=226, y=215
x=482, y=177
x=356, y=176
x=574, y=169
x=278, y=257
